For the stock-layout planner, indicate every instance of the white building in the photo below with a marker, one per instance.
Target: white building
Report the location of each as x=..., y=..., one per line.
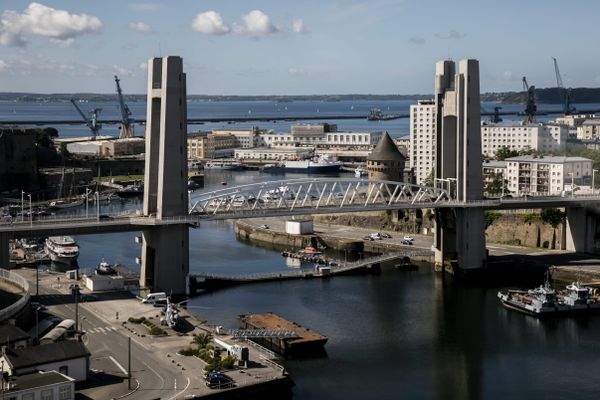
x=318, y=135
x=275, y=154
x=547, y=175
x=543, y=138
x=421, y=152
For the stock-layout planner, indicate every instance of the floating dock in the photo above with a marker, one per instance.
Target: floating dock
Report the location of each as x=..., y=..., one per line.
x=304, y=343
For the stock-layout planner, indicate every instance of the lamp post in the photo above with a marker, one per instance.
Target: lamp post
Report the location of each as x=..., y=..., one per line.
x=87, y=192
x=97, y=196
x=593, y=186
x=572, y=187
x=22, y=204
x=37, y=327
x=75, y=292
x=30, y=211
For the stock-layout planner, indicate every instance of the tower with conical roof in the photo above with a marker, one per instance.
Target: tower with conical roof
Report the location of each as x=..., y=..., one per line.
x=385, y=161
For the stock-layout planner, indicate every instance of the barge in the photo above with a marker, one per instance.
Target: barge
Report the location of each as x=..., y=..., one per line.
x=306, y=343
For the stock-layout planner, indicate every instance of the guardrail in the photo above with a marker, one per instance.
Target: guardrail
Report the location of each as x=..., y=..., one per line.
x=17, y=306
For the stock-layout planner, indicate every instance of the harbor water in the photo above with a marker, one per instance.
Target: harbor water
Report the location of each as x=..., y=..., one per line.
x=408, y=335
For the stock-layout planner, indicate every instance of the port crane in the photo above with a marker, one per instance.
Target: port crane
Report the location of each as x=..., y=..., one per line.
x=91, y=122
x=565, y=94
x=126, y=128
x=530, y=107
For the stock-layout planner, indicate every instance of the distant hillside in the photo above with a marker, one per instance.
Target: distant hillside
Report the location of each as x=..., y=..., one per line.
x=547, y=96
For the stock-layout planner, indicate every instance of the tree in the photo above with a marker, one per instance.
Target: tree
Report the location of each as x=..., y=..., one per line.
x=491, y=217
x=553, y=217
x=430, y=178
x=495, y=185
x=504, y=152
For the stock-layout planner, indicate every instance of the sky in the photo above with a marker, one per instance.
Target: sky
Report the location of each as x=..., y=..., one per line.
x=283, y=47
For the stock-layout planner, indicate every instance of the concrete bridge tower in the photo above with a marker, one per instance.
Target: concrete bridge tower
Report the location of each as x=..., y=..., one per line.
x=165, y=255
x=460, y=232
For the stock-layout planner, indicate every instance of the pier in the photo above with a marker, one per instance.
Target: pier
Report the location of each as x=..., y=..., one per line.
x=211, y=281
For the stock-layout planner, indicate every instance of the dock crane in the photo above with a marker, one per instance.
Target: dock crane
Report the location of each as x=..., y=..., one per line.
x=126, y=129
x=565, y=94
x=530, y=107
x=91, y=122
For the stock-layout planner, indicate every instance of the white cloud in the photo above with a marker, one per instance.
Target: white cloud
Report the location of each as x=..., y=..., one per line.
x=210, y=22
x=416, y=40
x=257, y=24
x=39, y=20
x=296, y=71
x=143, y=66
x=122, y=71
x=140, y=27
x=298, y=26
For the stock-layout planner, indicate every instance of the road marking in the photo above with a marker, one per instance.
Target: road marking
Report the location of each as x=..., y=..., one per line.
x=101, y=330
x=182, y=391
x=118, y=365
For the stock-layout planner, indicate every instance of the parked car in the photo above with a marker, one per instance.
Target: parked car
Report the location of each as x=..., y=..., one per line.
x=104, y=217
x=264, y=226
x=408, y=238
x=369, y=238
x=406, y=242
x=218, y=380
x=375, y=236
x=386, y=235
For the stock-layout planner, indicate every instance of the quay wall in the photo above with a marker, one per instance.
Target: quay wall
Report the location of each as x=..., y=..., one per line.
x=246, y=230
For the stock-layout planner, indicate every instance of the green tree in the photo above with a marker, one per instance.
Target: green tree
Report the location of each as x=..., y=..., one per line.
x=504, y=152
x=495, y=185
x=202, y=339
x=553, y=217
x=490, y=217
x=430, y=178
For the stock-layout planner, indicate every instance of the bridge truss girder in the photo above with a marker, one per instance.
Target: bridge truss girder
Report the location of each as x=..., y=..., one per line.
x=302, y=195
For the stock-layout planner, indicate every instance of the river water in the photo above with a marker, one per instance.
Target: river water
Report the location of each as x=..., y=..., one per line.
x=409, y=335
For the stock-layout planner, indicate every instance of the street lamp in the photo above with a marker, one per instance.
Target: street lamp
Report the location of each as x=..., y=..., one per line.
x=87, y=192
x=97, y=196
x=37, y=327
x=30, y=211
x=22, y=204
x=593, y=186
x=572, y=187
x=75, y=292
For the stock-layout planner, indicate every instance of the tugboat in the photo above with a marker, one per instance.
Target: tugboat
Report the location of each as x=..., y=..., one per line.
x=376, y=115
x=105, y=268
x=544, y=300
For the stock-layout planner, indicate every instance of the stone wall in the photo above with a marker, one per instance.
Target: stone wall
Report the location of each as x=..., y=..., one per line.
x=511, y=229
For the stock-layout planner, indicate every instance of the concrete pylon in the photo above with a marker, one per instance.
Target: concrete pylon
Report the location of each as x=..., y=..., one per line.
x=459, y=238
x=4, y=251
x=165, y=248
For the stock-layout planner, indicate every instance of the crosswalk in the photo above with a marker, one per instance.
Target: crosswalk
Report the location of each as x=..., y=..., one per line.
x=101, y=329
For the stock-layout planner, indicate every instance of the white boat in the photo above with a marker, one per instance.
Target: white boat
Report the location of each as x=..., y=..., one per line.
x=322, y=165
x=223, y=164
x=66, y=203
x=105, y=268
x=360, y=172
x=62, y=249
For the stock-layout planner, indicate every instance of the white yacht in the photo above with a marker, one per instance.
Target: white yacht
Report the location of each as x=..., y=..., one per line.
x=359, y=172
x=62, y=249
x=224, y=164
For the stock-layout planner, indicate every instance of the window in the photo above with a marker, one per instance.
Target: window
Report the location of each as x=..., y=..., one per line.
x=27, y=396
x=46, y=395
x=64, y=392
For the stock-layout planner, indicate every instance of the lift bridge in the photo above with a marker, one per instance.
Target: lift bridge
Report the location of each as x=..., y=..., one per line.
x=314, y=196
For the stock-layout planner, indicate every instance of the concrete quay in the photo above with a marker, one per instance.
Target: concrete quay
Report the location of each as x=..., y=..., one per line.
x=157, y=370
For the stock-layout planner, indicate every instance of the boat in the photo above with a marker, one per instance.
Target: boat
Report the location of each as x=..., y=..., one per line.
x=322, y=165
x=131, y=190
x=376, y=115
x=309, y=250
x=62, y=249
x=224, y=164
x=544, y=300
x=360, y=172
x=105, y=268
x=66, y=203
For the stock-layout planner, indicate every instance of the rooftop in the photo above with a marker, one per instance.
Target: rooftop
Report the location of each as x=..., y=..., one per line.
x=386, y=150
x=548, y=159
x=272, y=321
x=10, y=333
x=37, y=379
x=47, y=353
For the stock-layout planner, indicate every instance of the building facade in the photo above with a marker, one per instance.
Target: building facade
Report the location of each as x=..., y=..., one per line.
x=589, y=129
x=546, y=175
x=421, y=151
x=275, y=154
x=543, y=138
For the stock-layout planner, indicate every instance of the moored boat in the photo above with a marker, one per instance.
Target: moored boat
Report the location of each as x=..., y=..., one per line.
x=360, y=172
x=105, y=268
x=545, y=301
x=62, y=249
x=322, y=165
x=66, y=203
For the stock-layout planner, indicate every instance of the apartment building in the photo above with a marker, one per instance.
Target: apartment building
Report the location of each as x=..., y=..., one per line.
x=421, y=152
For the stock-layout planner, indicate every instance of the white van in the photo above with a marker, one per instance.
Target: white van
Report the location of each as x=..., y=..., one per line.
x=153, y=298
